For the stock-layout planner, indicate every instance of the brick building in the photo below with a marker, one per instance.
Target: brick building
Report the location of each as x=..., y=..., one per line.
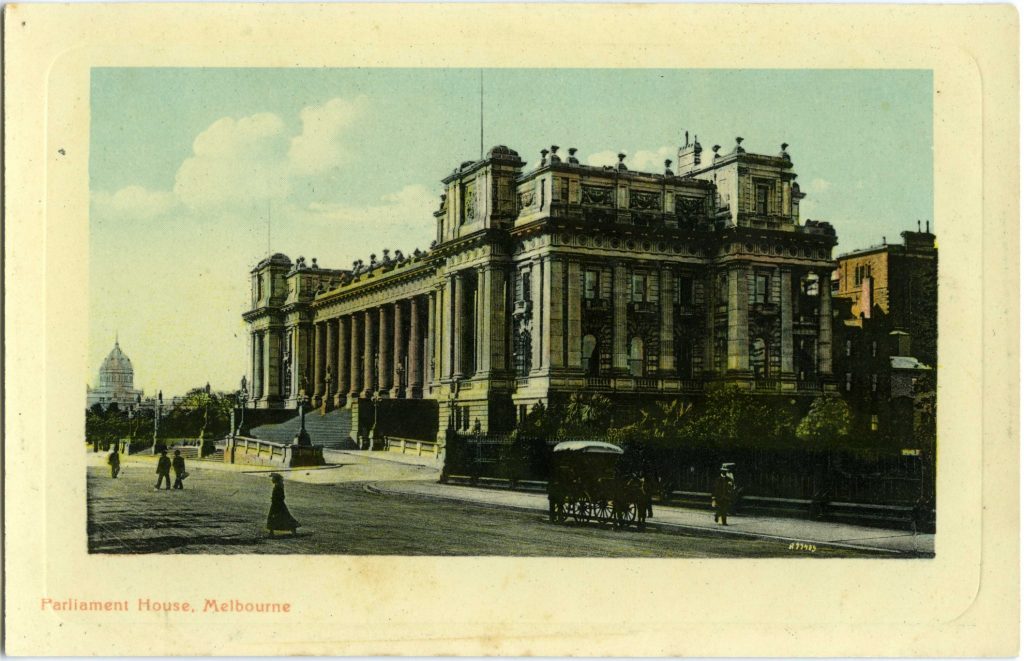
x=886, y=301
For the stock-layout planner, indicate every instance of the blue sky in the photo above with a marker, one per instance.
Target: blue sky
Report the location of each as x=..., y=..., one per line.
x=186, y=166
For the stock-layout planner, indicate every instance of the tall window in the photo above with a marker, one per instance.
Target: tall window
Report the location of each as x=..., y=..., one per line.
x=636, y=357
x=759, y=358
x=849, y=382
x=684, y=359
x=761, y=288
x=683, y=294
x=761, y=204
x=849, y=347
x=639, y=288
x=591, y=284
x=525, y=288
x=591, y=359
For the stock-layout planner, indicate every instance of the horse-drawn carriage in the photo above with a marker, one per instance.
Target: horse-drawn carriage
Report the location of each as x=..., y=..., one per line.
x=588, y=483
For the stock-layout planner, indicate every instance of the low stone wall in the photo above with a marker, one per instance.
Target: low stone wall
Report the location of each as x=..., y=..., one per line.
x=252, y=451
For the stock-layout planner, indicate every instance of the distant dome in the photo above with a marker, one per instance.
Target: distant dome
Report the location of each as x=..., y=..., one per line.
x=116, y=371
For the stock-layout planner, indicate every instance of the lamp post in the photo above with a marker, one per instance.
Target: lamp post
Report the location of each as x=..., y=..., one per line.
x=302, y=438
x=156, y=418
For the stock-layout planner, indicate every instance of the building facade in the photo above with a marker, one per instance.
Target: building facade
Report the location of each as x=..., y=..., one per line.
x=115, y=384
x=561, y=279
x=886, y=332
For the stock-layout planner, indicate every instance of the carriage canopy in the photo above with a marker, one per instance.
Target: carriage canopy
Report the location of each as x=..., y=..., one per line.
x=588, y=447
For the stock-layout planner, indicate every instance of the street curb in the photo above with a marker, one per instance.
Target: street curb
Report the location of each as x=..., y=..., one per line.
x=671, y=528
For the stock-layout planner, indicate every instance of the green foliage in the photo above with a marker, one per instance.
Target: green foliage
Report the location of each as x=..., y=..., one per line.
x=731, y=417
x=827, y=423
x=201, y=414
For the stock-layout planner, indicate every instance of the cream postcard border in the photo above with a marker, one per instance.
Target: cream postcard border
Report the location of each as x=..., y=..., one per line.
x=964, y=601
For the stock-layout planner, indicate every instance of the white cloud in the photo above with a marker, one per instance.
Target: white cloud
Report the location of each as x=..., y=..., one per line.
x=133, y=202
x=402, y=220
x=320, y=145
x=235, y=162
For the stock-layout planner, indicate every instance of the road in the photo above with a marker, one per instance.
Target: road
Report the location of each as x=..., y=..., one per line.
x=224, y=512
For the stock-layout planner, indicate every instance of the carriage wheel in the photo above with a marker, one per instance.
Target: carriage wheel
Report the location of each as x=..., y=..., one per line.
x=603, y=510
x=581, y=512
x=628, y=513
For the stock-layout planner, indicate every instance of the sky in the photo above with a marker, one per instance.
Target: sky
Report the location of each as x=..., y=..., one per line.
x=198, y=174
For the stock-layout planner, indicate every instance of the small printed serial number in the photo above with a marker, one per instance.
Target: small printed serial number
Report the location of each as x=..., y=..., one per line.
x=800, y=546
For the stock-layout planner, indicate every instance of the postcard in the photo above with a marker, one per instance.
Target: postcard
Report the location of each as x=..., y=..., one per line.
x=511, y=330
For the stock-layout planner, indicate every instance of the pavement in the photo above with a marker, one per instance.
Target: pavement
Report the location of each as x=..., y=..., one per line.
x=397, y=474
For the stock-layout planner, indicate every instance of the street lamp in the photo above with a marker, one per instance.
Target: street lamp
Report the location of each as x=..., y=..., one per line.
x=302, y=438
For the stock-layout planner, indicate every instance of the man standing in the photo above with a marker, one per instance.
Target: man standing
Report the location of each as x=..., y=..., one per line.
x=179, y=469
x=723, y=494
x=163, y=470
x=114, y=459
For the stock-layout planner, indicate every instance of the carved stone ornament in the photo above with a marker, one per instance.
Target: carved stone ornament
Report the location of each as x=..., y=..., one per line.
x=644, y=201
x=526, y=198
x=469, y=201
x=600, y=196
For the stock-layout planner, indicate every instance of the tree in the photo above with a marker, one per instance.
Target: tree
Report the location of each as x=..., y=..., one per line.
x=827, y=422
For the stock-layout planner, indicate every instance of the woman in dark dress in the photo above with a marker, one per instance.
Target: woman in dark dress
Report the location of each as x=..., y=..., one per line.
x=279, y=517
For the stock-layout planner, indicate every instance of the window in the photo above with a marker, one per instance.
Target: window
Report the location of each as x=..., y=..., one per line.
x=849, y=347
x=761, y=203
x=591, y=359
x=758, y=358
x=639, y=288
x=683, y=294
x=874, y=422
x=761, y=288
x=723, y=287
x=849, y=382
x=874, y=349
x=525, y=288
x=591, y=284
x=636, y=357
x=874, y=383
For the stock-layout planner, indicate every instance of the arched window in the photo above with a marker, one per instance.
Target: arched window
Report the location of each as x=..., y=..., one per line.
x=591, y=359
x=636, y=357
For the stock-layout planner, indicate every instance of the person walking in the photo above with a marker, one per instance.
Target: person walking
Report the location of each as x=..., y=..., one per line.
x=163, y=470
x=279, y=517
x=114, y=459
x=723, y=494
x=179, y=469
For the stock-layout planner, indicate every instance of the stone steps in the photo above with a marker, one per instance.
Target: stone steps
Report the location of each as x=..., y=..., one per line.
x=332, y=430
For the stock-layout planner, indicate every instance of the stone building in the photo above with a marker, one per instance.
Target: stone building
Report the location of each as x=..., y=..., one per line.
x=886, y=329
x=115, y=384
x=561, y=279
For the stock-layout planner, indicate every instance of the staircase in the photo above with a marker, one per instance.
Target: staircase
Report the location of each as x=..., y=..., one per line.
x=331, y=431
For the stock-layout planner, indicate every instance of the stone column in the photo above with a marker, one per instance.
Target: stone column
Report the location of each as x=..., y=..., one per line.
x=458, y=326
x=344, y=362
x=494, y=319
x=786, y=320
x=356, y=373
x=738, y=357
x=431, y=364
x=383, y=350
x=574, y=322
x=824, y=323
x=369, y=336
x=481, y=311
x=331, y=367
x=253, y=365
x=554, y=281
x=620, y=300
x=272, y=365
x=300, y=371
x=414, y=379
x=666, y=330
x=398, y=352
x=257, y=376
x=318, y=362
x=537, y=315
